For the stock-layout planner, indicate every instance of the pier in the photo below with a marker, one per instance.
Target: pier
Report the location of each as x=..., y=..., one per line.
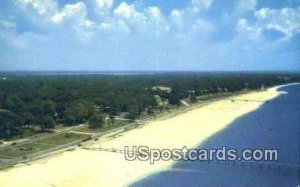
x=236, y=163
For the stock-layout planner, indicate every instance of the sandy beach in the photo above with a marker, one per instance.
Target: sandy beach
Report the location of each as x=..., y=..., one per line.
x=97, y=168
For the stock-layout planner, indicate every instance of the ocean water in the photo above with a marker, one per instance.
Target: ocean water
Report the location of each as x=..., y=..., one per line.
x=275, y=125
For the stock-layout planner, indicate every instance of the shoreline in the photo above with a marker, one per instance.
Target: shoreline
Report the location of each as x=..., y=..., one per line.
x=95, y=168
x=275, y=88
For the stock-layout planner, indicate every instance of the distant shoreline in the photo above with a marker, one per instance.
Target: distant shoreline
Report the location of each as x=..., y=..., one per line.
x=120, y=73
x=275, y=88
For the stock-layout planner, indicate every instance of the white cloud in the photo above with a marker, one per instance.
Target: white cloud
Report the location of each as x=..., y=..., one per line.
x=74, y=16
x=42, y=7
x=155, y=13
x=285, y=20
x=252, y=36
x=184, y=39
x=77, y=10
x=249, y=32
x=201, y=4
x=117, y=26
x=203, y=26
x=262, y=13
x=244, y=6
x=131, y=17
x=7, y=24
x=128, y=12
x=243, y=26
x=104, y=3
x=156, y=22
x=176, y=17
x=103, y=8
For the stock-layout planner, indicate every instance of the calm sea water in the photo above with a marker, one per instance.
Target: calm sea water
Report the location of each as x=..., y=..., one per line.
x=275, y=125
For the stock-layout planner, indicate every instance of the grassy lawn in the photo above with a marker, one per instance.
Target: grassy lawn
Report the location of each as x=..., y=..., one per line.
x=22, y=150
x=117, y=123
x=39, y=145
x=61, y=139
x=143, y=115
x=214, y=96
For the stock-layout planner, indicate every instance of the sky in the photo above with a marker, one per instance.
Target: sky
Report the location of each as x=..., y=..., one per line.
x=149, y=35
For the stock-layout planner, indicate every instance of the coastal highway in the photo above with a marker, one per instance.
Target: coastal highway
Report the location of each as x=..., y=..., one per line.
x=39, y=137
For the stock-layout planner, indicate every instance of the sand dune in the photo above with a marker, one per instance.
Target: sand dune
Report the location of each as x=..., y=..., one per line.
x=94, y=168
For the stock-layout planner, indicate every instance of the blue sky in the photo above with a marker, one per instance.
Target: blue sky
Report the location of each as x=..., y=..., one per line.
x=146, y=35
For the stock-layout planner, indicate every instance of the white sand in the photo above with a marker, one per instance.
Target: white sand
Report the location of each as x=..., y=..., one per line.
x=94, y=168
x=275, y=88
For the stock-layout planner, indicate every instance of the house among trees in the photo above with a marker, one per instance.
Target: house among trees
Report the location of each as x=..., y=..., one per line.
x=159, y=100
x=191, y=92
x=162, y=88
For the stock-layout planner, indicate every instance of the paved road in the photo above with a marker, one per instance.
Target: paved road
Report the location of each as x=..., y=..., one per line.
x=42, y=136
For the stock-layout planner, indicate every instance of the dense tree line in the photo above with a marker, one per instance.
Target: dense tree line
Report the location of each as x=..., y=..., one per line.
x=45, y=100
